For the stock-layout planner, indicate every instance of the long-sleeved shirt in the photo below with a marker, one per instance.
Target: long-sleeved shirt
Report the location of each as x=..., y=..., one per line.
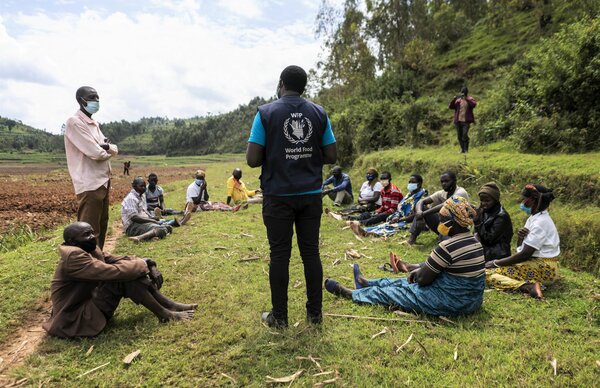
x=88, y=163
x=236, y=189
x=77, y=276
x=390, y=198
x=339, y=184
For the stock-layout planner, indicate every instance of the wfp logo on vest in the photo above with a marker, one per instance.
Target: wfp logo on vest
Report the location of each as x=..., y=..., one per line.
x=297, y=129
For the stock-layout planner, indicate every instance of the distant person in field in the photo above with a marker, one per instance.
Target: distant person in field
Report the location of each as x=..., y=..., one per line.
x=450, y=281
x=536, y=262
x=291, y=138
x=155, y=199
x=237, y=193
x=493, y=227
x=196, y=198
x=138, y=223
x=463, y=106
x=126, y=166
x=88, y=285
x=390, y=198
x=428, y=208
x=88, y=153
x=404, y=214
x=341, y=192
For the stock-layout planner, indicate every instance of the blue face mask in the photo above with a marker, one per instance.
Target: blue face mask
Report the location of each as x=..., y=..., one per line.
x=92, y=107
x=526, y=209
x=199, y=182
x=370, y=177
x=412, y=187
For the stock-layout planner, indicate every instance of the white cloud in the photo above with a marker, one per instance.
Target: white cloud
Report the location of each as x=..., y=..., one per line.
x=246, y=8
x=179, y=64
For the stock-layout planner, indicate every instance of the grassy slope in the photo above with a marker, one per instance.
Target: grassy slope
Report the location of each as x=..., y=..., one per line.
x=510, y=341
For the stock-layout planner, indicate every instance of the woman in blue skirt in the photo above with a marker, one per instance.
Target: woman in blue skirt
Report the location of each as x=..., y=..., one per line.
x=450, y=282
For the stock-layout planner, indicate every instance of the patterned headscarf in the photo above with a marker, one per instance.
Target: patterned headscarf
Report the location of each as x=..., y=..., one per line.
x=460, y=210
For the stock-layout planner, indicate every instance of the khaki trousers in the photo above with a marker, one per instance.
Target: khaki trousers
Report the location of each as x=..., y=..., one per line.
x=93, y=209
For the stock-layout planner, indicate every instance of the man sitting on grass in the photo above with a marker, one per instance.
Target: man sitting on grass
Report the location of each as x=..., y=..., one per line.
x=196, y=198
x=88, y=285
x=138, y=223
x=341, y=192
x=155, y=199
x=237, y=193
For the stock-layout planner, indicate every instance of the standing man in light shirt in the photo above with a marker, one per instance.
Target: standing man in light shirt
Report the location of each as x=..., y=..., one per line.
x=88, y=153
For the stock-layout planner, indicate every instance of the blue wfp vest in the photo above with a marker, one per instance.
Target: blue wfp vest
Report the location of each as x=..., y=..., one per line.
x=294, y=129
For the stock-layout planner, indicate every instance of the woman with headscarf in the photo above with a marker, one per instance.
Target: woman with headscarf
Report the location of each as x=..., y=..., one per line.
x=493, y=227
x=536, y=260
x=450, y=282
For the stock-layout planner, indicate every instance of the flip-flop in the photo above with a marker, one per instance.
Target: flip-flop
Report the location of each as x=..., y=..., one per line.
x=387, y=267
x=356, y=271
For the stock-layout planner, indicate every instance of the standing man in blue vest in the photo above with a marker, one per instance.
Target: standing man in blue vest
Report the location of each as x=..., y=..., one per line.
x=291, y=138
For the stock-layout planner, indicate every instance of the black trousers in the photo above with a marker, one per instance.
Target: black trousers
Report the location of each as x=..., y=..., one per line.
x=462, y=133
x=431, y=222
x=370, y=218
x=280, y=215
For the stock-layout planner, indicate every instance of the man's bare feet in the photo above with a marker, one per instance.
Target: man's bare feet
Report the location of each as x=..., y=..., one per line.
x=533, y=289
x=335, y=215
x=135, y=239
x=355, y=226
x=184, y=307
x=178, y=316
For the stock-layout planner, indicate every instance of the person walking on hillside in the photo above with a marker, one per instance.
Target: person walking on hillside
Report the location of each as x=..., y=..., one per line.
x=291, y=138
x=463, y=106
x=88, y=153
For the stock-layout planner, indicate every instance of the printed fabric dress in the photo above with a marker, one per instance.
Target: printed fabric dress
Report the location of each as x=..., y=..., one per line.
x=405, y=207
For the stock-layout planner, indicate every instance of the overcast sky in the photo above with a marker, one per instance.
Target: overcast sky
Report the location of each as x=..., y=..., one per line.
x=174, y=58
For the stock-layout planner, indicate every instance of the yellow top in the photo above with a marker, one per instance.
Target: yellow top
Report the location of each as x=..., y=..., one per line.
x=237, y=190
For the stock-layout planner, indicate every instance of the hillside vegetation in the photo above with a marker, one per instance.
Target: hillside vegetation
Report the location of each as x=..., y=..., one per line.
x=19, y=137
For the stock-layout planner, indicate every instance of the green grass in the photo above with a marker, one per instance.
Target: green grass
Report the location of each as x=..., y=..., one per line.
x=509, y=342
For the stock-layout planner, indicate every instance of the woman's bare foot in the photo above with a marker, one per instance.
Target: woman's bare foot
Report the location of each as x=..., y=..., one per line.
x=356, y=229
x=397, y=263
x=533, y=289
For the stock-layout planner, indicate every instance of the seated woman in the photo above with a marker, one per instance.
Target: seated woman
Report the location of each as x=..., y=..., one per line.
x=493, y=227
x=450, y=282
x=369, y=197
x=402, y=216
x=536, y=260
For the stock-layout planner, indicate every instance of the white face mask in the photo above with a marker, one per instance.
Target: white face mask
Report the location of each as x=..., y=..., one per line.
x=385, y=182
x=92, y=107
x=412, y=187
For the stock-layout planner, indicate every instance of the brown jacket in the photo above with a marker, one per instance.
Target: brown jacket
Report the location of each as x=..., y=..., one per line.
x=77, y=275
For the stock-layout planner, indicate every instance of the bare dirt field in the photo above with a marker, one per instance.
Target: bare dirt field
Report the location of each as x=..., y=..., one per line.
x=42, y=196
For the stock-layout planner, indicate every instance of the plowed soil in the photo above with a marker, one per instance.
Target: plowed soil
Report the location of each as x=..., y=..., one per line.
x=43, y=197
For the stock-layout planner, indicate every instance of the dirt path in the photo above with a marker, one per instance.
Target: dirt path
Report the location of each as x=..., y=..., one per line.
x=26, y=339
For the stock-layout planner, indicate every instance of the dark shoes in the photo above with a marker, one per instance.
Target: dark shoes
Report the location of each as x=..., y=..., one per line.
x=271, y=321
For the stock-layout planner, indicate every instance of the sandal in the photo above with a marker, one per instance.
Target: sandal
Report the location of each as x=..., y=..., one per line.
x=397, y=264
x=387, y=267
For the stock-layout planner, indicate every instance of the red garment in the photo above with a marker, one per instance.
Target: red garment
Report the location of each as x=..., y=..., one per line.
x=455, y=104
x=390, y=198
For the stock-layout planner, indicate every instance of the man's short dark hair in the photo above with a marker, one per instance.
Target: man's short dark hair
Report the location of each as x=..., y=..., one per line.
x=152, y=175
x=82, y=91
x=450, y=174
x=384, y=173
x=294, y=78
x=418, y=177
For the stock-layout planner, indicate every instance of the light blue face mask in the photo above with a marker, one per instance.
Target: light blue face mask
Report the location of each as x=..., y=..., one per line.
x=199, y=182
x=412, y=187
x=92, y=107
x=526, y=209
